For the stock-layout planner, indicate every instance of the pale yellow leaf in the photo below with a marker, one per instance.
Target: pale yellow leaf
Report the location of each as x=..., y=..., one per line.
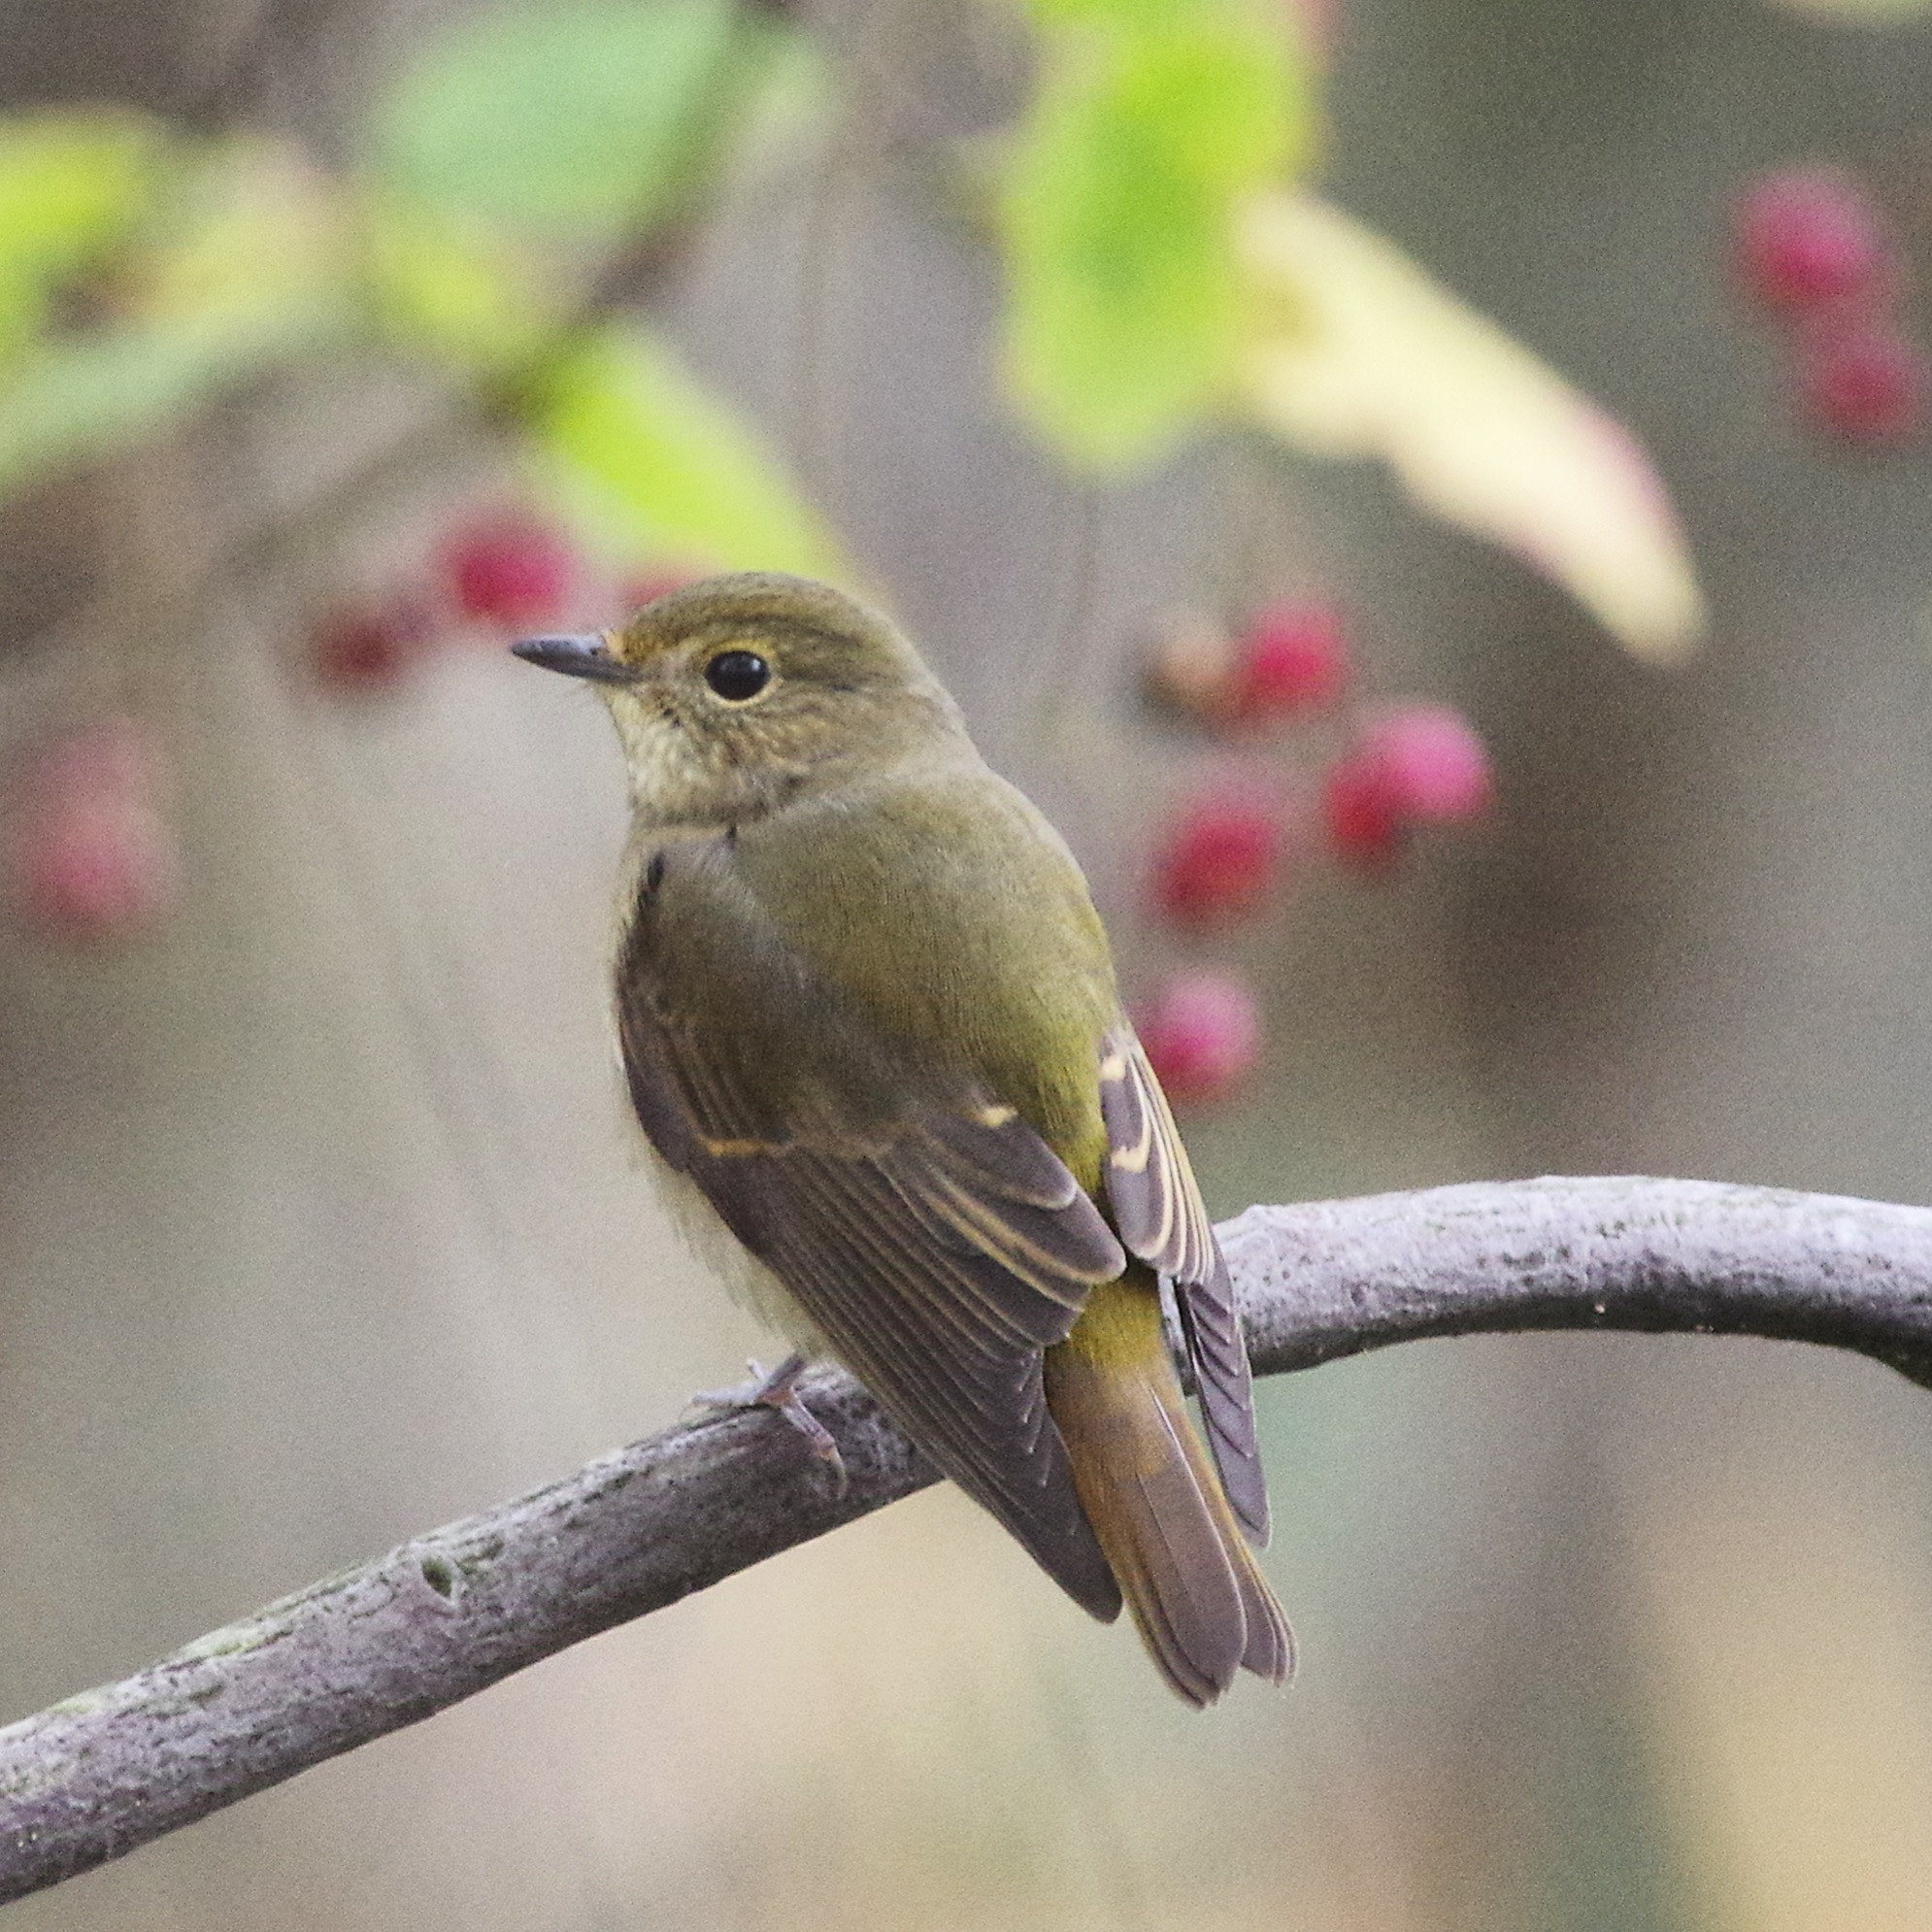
x=1357, y=352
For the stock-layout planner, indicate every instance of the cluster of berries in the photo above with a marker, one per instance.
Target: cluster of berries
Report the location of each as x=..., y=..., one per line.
x=90, y=855
x=1222, y=854
x=1814, y=251
x=507, y=569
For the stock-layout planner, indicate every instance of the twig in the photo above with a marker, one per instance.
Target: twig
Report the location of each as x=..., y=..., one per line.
x=449, y=1612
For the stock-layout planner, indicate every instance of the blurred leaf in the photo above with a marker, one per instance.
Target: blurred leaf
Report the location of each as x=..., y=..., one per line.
x=71, y=186
x=664, y=468
x=577, y=118
x=246, y=270
x=1357, y=352
x=786, y=92
x=256, y=248
x=1149, y=125
x=80, y=398
x=447, y=290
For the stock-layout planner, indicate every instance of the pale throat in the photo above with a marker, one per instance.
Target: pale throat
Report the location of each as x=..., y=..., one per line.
x=681, y=786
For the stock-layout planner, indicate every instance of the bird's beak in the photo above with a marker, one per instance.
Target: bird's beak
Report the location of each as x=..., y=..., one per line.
x=586, y=656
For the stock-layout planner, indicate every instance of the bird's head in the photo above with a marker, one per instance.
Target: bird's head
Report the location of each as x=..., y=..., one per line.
x=739, y=694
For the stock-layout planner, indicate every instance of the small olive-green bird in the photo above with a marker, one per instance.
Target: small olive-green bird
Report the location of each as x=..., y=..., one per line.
x=867, y=1009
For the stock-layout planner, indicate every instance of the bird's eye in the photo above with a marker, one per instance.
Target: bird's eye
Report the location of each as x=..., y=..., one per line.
x=738, y=675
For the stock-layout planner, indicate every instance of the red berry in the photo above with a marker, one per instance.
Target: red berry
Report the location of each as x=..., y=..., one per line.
x=93, y=868
x=1807, y=236
x=1202, y=1035
x=1290, y=659
x=371, y=648
x=1356, y=808
x=509, y=569
x=1219, y=861
x=1864, y=383
x=1430, y=765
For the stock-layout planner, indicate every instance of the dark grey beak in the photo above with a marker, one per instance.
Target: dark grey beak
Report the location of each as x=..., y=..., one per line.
x=576, y=657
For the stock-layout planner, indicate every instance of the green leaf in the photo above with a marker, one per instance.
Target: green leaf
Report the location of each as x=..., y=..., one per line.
x=82, y=399
x=663, y=468
x=1149, y=127
x=575, y=118
x=72, y=186
x=244, y=271
x=447, y=290
x=1356, y=352
x=1132, y=14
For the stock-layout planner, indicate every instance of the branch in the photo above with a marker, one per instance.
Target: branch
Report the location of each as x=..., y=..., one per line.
x=447, y=1613
x=1660, y=1257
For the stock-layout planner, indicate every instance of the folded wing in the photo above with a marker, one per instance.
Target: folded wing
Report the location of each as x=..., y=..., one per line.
x=1162, y=1220
x=926, y=1230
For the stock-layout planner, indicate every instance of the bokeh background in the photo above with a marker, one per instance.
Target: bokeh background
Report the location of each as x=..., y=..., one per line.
x=321, y=1224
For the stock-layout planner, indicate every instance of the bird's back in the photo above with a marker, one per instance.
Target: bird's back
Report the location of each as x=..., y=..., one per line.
x=951, y=915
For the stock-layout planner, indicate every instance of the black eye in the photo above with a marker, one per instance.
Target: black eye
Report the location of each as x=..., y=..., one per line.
x=738, y=675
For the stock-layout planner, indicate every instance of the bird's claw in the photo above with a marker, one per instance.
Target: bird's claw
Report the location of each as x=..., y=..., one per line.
x=778, y=1388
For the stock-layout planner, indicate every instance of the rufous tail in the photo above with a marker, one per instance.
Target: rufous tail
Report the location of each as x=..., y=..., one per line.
x=1148, y=1488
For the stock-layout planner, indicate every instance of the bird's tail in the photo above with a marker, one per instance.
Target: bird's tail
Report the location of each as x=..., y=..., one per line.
x=1156, y=1502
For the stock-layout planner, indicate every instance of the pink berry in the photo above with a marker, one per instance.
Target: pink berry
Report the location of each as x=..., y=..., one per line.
x=1202, y=1035
x=371, y=648
x=1807, y=236
x=90, y=855
x=1864, y=383
x=1218, y=861
x=1416, y=764
x=509, y=569
x=1430, y=765
x=1291, y=658
x=96, y=868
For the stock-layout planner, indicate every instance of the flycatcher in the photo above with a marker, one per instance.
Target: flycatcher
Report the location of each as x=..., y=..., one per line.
x=868, y=1013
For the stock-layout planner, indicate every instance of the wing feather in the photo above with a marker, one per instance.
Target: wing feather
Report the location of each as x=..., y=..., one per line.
x=1162, y=1220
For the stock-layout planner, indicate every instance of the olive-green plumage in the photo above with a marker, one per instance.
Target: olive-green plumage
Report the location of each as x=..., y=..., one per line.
x=866, y=1007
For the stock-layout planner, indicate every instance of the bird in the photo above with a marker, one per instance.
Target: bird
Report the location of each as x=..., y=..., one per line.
x=868, y=1019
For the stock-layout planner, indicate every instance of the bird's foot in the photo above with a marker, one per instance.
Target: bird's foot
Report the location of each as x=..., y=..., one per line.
x=778, y=1388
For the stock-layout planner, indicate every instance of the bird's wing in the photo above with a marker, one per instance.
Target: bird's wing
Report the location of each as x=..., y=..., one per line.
x=1159, y=1211
x=930, y=1233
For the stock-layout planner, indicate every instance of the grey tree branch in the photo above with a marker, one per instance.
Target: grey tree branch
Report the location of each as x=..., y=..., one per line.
x=446, y=1614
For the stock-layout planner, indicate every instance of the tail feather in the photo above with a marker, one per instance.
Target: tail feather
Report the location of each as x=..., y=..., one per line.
x=1156, y=1501
x=1271, y=1643
x=1188, y=1662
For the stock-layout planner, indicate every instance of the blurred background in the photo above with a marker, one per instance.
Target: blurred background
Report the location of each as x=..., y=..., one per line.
x=341, y=337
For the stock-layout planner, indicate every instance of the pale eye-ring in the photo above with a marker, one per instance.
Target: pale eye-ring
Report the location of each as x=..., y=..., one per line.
x=737, y=675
